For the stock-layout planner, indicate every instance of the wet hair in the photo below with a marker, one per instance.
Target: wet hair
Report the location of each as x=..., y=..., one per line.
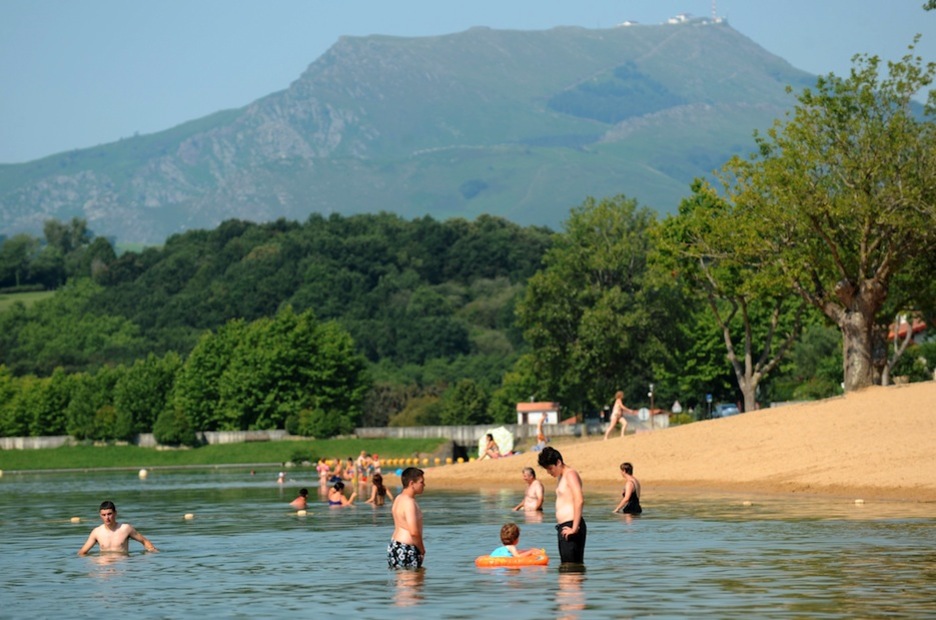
x=107, y=505
x=548, y=456
x=410, y=475
x=627, y=468
x=339, y=486
x=529, y=470
x=303, y=492
x=510, y=533
x=378, y=482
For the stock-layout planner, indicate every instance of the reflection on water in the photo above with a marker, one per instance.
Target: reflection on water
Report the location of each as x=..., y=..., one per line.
x=570, y=594
x=247, y=554
x=409, y=585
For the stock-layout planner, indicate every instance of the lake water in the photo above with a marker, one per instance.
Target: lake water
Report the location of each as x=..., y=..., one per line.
x=246, y=554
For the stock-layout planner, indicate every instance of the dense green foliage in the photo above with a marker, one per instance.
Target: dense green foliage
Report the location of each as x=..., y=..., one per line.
x=595, y=321
x=840, y=202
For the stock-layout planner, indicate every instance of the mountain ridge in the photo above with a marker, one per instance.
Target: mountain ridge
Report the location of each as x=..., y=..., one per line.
x=521, y=124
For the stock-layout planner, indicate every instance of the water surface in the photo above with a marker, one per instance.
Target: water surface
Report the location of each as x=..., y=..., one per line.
x=246, y=554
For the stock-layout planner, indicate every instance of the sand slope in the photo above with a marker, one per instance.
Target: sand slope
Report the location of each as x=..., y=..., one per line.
x=876, y=443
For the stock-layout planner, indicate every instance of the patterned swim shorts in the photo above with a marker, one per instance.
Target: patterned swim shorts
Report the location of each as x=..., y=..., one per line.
x=402, y=555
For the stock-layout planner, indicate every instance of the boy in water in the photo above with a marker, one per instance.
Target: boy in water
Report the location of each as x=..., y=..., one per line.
x=510, y=536
x=406, y=548
x=114, y=537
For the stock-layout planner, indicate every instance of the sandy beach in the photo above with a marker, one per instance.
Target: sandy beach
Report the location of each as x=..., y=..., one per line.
x=877, y=443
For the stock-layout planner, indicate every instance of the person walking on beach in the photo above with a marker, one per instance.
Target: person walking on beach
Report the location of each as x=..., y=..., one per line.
x=617, y=414
x=533, y=498
x=406, y=548
x=114, y=537
x=570, y=500
x=630, y=501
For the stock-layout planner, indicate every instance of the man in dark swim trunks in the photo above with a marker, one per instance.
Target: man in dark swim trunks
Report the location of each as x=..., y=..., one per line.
x=570, y=500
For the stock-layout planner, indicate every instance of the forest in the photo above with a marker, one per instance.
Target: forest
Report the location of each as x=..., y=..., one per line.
x=784, y=284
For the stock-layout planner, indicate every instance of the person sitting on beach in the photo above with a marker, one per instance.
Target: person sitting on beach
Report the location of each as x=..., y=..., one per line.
x=336, y=496
x=379, y=493
x=301, y=502
x=113, y=537
x=630, y=502
x=510, y=536
x=491, y=451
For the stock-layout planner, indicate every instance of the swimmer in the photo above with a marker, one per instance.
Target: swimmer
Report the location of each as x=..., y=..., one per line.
x=630, y=501
x=533, y=498
x=336, y=496
x=301, y=502
x=114, y=537
x=406, y=548
x=570, y=499
x=510, y=536
x=379, y=493
x=281, y=478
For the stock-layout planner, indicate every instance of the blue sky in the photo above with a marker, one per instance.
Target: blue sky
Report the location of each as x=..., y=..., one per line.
x=78, y=73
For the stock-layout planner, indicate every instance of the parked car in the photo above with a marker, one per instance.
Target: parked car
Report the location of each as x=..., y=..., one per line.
x=723, y=410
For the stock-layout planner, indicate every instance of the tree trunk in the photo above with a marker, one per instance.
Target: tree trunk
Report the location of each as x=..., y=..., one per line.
x=857, y=343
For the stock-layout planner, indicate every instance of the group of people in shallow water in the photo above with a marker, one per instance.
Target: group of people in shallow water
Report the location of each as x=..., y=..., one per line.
x=406, y=548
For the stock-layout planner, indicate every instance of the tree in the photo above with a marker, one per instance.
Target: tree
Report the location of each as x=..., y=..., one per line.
x=840, y=198
x=16, y=253
x=758, y=320
x=464, y=403
x=594, y=322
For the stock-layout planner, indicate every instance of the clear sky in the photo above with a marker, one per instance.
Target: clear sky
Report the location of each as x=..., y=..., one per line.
x=78, y=73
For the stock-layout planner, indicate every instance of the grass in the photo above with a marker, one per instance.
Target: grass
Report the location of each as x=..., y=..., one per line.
x=27, y=299
x=250, y=453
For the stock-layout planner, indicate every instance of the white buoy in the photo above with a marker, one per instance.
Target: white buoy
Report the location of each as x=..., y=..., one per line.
x=746, y=503
x=859, y=501
x=301, y=513
x=188, y=516
x=76, y=519
x=143, y=474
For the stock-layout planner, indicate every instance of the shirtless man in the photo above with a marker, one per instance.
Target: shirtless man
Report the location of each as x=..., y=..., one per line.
x=569, y=503
x=301, y=502
x=406, y=548
x=113, y=537
x=533, y=498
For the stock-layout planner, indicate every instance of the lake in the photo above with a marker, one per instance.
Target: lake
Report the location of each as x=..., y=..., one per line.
x=246, y=554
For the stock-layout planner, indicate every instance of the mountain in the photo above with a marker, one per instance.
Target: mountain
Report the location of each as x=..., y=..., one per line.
x=522, y=125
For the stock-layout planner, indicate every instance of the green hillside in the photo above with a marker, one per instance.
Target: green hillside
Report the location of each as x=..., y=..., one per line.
x=517, y=124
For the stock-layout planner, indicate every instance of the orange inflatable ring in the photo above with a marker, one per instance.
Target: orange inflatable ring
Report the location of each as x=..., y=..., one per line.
x=536, y=559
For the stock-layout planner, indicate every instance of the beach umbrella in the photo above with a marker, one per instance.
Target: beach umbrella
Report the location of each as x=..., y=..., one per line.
x=503, y=438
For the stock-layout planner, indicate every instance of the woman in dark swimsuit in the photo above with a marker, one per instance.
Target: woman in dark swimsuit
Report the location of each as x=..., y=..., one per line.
x=630, y=502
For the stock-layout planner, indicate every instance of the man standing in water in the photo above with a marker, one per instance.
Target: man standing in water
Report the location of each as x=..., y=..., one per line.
x=113, y=536
x=406, y=548
x=569, y=503
x=533, y=498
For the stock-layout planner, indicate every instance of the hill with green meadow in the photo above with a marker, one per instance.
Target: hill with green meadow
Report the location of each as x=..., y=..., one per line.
x=521, y=125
